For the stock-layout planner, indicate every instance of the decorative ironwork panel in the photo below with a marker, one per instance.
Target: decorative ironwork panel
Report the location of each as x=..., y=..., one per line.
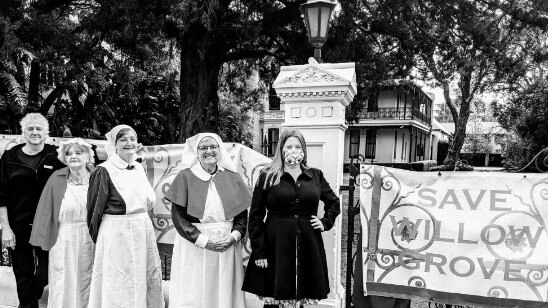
x=395, y=113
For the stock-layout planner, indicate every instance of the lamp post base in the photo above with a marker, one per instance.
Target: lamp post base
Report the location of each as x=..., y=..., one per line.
x=318, y=55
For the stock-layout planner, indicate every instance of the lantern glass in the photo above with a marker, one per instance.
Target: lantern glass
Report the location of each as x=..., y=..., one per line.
x=313, y=21
x=325, y=16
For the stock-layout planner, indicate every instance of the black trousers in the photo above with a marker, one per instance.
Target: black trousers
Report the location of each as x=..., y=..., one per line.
x=30, y=266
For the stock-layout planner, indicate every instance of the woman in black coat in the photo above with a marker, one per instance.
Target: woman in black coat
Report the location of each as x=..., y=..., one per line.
x=288, y=263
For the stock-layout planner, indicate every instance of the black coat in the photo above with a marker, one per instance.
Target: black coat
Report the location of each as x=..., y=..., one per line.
x=297, y=266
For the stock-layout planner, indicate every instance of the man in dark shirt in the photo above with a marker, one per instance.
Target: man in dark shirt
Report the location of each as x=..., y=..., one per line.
x=24, y=171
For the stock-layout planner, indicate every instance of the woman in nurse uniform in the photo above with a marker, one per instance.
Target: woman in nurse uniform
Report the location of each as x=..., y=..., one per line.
x=209, y=210
x=127, y=270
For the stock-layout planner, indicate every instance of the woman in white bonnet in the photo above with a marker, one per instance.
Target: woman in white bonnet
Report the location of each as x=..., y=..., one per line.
x=126, y=270
x=209, y=211
x=60, y=226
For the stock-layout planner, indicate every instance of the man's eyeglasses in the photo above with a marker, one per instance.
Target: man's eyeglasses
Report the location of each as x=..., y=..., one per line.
x=211, y=147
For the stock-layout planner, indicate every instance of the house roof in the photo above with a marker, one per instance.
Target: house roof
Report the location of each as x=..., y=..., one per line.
x=407, y=82
x=477, y=127
x=438, y=126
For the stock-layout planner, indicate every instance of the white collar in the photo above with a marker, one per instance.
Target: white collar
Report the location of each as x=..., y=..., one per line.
x=202, y=174
x=118, y=161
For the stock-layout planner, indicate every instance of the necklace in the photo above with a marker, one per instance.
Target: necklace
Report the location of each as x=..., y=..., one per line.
x=78, y=178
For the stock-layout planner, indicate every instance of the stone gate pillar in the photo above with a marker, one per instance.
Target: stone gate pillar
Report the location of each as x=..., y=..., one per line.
x=315, y=96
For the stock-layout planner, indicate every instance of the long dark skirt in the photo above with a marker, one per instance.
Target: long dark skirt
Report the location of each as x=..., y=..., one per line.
x=291, y=244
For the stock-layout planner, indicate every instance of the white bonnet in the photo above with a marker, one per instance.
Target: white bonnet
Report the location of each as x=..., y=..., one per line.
x=63, y=145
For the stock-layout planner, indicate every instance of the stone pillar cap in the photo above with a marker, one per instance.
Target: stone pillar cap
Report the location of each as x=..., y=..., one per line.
x=317, y=77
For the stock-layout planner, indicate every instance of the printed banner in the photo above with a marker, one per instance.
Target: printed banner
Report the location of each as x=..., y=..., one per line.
x=465, y=238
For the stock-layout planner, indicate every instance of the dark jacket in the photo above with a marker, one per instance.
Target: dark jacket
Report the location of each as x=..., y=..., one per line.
x=45, y=227
x=21, y=185
x=297, y=266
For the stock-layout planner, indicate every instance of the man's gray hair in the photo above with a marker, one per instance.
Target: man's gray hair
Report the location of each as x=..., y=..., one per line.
x=37, y=117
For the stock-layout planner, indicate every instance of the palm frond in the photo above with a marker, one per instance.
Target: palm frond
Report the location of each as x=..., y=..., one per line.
x=14, y=93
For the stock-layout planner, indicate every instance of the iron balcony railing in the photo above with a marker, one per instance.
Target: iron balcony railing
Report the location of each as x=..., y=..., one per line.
x=395, y=113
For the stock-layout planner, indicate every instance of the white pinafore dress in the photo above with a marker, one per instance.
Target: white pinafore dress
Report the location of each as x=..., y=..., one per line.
x=71, y=258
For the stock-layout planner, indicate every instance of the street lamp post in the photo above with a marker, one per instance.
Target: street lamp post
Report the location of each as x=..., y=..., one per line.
x=317, y=14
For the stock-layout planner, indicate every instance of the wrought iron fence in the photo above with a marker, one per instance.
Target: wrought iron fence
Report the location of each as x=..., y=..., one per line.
x=397, y=113
x=352, y=211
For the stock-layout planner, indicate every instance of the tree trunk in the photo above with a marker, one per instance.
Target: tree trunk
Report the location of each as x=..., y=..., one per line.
x=201, y=61
x=458, y=140
x=461, y=119
x=52, y=98
x=34, y=87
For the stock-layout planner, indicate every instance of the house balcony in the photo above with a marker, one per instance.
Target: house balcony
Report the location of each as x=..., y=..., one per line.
x=395, y=113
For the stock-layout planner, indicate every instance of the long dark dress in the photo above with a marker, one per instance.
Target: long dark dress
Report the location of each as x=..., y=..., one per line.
x=297, y=267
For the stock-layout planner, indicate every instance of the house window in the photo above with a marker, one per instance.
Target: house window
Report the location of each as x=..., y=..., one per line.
x=273, y=137
x=395, y=143
x=403, y=146
x=370, y=143
x=273, y=99
x=264, y=144
x=417, y=146
x=354, y=143
x=420, y=149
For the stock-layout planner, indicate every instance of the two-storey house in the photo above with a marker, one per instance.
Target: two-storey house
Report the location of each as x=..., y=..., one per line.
x=397, y=126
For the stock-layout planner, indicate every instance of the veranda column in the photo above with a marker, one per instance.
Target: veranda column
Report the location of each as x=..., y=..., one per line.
x=315, y=96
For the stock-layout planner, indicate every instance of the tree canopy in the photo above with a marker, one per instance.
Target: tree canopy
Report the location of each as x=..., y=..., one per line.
x=175, y=68
x=466, y=47
x=525, y=115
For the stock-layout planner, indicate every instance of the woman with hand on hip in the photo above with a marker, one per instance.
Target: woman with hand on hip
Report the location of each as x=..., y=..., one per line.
x=287, y=265
x=126, y=269
x=60, y=226
x=209, y=210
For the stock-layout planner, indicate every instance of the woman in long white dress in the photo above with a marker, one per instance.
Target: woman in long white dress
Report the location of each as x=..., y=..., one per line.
x=127, y=269
x=60, y=227
x=209, y=210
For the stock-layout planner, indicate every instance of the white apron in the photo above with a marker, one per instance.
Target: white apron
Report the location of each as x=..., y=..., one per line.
x=71, y=258
x=127, y=272
x=204, y=278
x=127, y=269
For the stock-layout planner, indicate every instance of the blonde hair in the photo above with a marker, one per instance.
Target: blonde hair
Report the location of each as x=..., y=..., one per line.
x=275, y=170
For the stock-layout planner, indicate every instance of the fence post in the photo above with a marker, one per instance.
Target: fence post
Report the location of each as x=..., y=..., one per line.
x=351, y=213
